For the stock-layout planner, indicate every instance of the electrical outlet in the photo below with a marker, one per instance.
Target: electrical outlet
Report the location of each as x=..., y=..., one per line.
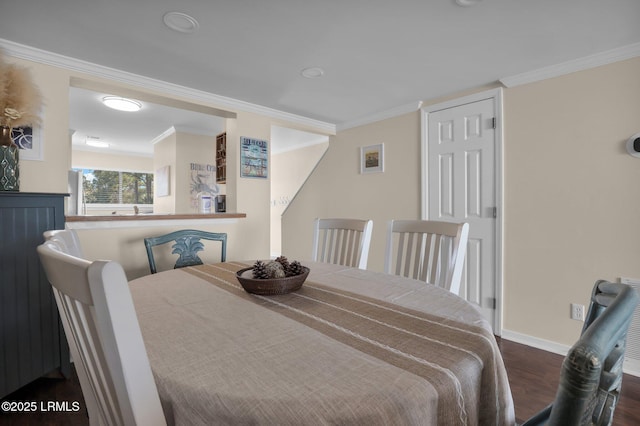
x=577, y=312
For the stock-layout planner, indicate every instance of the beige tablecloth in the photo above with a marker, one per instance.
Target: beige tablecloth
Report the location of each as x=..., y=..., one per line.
x=351, y=347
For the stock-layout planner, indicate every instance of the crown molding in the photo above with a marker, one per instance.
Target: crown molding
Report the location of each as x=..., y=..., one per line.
x=48, y=58
x=170, y=131
x=390, y=113
x=581, y=64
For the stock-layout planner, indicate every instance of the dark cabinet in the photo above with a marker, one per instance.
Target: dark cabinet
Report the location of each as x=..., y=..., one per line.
x=32, y=341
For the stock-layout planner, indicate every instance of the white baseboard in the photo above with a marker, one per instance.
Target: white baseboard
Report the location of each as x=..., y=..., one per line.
x=631, y=366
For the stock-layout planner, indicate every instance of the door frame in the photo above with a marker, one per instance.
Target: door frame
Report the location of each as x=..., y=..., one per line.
x=495, y=94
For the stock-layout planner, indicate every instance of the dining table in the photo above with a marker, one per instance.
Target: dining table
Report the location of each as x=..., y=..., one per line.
x=350, y=347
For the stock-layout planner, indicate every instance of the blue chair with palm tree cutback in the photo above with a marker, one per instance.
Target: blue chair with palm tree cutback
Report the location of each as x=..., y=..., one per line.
x=186, y=245
x=591, y=375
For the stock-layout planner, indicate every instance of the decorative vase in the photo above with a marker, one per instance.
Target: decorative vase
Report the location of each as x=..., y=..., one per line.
x=9, y=158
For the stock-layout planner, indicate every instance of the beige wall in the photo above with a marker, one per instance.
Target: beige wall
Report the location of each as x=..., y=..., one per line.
x=289, y=171
x=337, y=189
x=179, y=150
x=127, y=247
x=164, y=154
x=191, y=149
x=571, y=193
x=572, y=201
x=49, y=175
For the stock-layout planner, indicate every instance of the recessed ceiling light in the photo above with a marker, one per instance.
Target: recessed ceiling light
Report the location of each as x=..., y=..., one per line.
x=180, y=22
x=121, y=104
x=467, y=3
x=312, y=72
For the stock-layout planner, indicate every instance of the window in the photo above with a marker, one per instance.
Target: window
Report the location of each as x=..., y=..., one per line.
x=117, y=187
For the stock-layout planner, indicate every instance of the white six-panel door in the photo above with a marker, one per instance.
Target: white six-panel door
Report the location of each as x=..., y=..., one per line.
x=461, y=184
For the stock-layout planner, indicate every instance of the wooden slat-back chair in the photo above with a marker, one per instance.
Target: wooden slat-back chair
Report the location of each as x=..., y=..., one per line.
x=342, y=241
x=429, y=251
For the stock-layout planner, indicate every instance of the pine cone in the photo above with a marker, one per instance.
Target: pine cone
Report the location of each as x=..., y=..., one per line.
x=274, y=270
x=283, y=261
x=295, y=268
x=260, y=270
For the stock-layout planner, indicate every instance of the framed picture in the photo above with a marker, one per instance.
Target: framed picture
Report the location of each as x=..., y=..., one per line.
x=162, y=181
x=254, y=156
x=29, y=141
x=372, y=158
x=203, y=179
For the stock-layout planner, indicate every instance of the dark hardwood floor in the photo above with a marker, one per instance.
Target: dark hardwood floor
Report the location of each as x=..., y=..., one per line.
x=533, y=375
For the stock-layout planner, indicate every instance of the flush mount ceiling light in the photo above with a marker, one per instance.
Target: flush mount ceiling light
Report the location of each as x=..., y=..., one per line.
x=96, y=142
x=312, y=72
x=121, y=104
x=180, y=22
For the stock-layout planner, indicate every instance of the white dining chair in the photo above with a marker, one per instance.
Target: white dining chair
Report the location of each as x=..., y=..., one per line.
x=430, y=251
x=342, y=241
x=67, y=239
x=104, y=338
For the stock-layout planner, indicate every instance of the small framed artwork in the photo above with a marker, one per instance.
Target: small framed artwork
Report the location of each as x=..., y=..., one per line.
x=162, y=181
x=254, y=156
x=29, y=141
x=372, y=158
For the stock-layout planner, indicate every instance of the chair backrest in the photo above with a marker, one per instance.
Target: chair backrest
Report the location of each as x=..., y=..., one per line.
x=67, y=239
x=186, y=245
x=342, y=241
x=426, y=250
x=104, y=338
x=591, y=374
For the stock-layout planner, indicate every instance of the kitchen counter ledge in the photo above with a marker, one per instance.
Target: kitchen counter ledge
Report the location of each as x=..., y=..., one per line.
x=137, y=220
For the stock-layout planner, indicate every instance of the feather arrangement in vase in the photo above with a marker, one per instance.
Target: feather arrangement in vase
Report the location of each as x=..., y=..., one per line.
x=20, y=102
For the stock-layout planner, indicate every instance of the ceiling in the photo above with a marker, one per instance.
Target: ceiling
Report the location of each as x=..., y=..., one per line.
x=376, y=55
x=134, y=133
x=131, y=132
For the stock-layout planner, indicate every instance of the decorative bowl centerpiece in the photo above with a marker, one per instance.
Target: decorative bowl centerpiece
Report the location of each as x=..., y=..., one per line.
x=273, y=277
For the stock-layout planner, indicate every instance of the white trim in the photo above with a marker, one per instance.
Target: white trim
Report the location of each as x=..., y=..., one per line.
x=113, y=224
x=630, y=366
x=535, y=342
x=580, y=64
x=496, y=95
x=390, y=113
x=170, y=131
x=48, y=58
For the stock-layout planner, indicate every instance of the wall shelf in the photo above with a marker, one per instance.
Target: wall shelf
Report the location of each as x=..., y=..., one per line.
x=221, y=158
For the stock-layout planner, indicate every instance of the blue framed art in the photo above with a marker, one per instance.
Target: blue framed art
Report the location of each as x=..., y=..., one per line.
x=254, y=157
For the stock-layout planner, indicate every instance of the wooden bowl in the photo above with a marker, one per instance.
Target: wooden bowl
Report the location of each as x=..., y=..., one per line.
x=270, y=286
